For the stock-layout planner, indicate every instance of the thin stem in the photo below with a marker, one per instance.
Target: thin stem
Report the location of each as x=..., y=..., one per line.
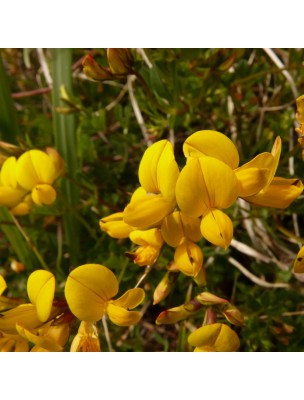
x=145, y=274
x=254, y=278
x=107, y=334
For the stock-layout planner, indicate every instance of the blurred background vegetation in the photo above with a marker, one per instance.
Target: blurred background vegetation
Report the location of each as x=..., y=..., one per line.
x=102, y=130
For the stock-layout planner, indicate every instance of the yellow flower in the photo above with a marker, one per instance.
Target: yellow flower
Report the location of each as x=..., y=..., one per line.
x=15, y=343
x=86, y=339
x=150, y=243
x=11, y=193
x=115, y=226
x=214, y=337
x=89, y=290
x=36, y=171
x=204, y=187
x=41, y=290
x=158, y=173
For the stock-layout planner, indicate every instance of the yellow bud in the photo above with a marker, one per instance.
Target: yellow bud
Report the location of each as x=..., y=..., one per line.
x=164, y=287
x=233, y=315
x=209, y=299
x=176, y=314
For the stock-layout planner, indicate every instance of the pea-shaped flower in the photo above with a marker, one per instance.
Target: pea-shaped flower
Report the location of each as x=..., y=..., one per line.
x=89, y=290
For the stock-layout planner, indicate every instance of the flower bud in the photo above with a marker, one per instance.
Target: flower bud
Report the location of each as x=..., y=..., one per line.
x=233, y=315
x=95, y=71
x=176, y=314
x=164, y=287
x=209, y=299
x=120, y=61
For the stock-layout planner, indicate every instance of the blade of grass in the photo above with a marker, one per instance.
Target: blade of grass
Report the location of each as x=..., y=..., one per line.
x=8, y=118
x=66, y=144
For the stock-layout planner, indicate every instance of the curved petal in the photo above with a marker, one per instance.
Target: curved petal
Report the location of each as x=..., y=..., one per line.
x=214, y=337
x=131, y=299
x=205, y=183
x=212, y=144
x=41, y=290
x=34, y=167
x=298, y=266
x=188, y=258
x=251, y=180
x=148, y=211
x=87, y=290
x=8, y=173
x=43, y=194
x=263, y=160
x=115, y=227
x=279, y=194
x=10, y=197
x=158, y=170
x=120, y=316
x=178, y=226
x=276, y=152
x=217, y=228
x=25, y=314
x=3, y=284
x=150, y=237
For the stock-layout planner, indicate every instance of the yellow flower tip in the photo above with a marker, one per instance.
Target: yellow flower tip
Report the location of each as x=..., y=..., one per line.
x=122, y=317
x=188, y=258
x=212, y=144
x=115, y=226
x=298, y=266
x=88, y=289
x=164, y=287
x=214, y=337
x=21, y=209
x=233, y=315
x=209, y=299
x=217, y=228
x=43, y=194
x=41, y=290
x=86, y=340
x=17, y=266
x=3, y=284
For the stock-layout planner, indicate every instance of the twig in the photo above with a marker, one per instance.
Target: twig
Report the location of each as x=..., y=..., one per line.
x=30, y=93
x=144, y=57
x=107, y=335
x=45, y=68
x=145, y=274
x=286, y=314
x=249, y=251
x=275, y=59
x=137, y=111
x=118, y=98
x=254, y=278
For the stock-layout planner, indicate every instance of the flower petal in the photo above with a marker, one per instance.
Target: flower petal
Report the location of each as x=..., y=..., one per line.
x=8, y=173
x=279, y=194
x=115, y=227
x=158, y=170
x=87, y=290
x=121, y=317
x=43, y=194
x=34, y=167
x=178, y=226
x=10, y=197
x=298, y=266
x=188, y=258
x=41, y=289
x=151, y=237
x=25, y=314
x=217, y=228
x=3, y=284
x=212, y=144
x=148, y=211
x=252, y=180
x=214, y=337
x=205, y=183
x=131, y=299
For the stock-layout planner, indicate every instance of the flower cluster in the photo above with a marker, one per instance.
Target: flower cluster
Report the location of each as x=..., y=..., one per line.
x=28, y=180
x=45, y=323
x=179, y=207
